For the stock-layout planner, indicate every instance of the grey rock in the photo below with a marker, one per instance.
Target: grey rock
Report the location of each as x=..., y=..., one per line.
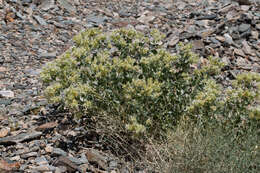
x=96, y=19
x=28, y=108
x=201, y=23
x=35, y=148
x=2, y=60
x=124, y=169
x=83, y=158
x=47, y=4
x=14, y=1
x=23, y=167
x=48, y=55
x=26, y=1
x=18, y=14
x=197, y=44
x=6, y=94
x=59, y=152
x=68, y=22
x=207, y=17
x=15, y=158
x=94, y=156
x=20, y=138
x=61, y=169
x=75, y=160
x=67, y=6
x=40, y=20
x=214, y=40
x=181, y=5
x=33, y=72
x=64, y=161
x=15, y=112
x=191, y=29
x=257, y=54
x=43, y=168
x=257, y=26
x=141, y=27
x=244, y=27
x=228, y=39
x=113, y=164
x=22, y=150
x=257, y=14
x=41, y=160
x=58, y=24
x=234, y=73
x=19, y=86
x=124, y=13
x=27, y=155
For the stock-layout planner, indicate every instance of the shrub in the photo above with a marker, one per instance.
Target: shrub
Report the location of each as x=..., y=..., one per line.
x=130, y=76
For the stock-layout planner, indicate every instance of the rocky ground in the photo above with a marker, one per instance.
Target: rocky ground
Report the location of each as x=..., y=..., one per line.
x=34, y=136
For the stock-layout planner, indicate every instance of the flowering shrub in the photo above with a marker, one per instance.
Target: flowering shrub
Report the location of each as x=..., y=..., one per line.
x=129, y=75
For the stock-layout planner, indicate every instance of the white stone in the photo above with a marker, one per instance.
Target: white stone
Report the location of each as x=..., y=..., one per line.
x=6, y=94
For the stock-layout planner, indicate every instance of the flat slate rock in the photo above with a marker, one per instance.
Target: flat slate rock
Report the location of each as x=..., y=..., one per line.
x=19, y=138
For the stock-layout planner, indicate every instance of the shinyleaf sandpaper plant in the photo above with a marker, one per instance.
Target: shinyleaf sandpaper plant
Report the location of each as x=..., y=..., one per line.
x=129, y=75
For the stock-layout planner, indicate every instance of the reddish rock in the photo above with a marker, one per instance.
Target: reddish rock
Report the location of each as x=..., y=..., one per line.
x=8, y=167
x=45, y=126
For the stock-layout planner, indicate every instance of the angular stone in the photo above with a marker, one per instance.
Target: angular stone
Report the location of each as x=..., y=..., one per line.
x=243, y=2
x=59, y=152
x=245, y=7
x=244, y=27
x=48, y=55
x=4, y=132
x=239, y=52
x=181, y=5
x=45, y=126
x=74, y=160
x=15, y=158
x=146, y=19
x=83, y=158
x=18, y=14
x=173, y=41
x=96, y=19
x=3, y=69
x=113, y=164
x=26, y=1
x=67, y=6
x=255, y=34
x=228, y=39
x=197, y=44
x=257, y=26
x=246, y=48
x=207, y=17
x=95, y=157
x=6, y=94
x=7, y=167
x=202, y=23
x=32, y=72
x=64, y=161
x=20, y=138
x=47, y=4
x=206, y=33
x=40, y=20
x=44, y=168
x=226, y=8
x=28, y=155
x=49, y=149
x=22, y=150
x=220, y=38
x=41, y=160
x=141, y=27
